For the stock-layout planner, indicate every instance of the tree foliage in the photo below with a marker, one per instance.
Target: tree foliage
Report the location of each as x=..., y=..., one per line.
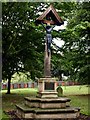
x=77, y=44
x=23, y=41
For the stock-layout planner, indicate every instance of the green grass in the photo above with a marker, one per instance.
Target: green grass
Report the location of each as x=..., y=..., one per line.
x=80, y=97
x=76, y=90
x=16, y=96
x=0, y=113
x=82, y=102
x=78, y=94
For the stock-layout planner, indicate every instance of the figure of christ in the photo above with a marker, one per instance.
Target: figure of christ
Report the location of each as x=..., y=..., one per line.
x=48, y=30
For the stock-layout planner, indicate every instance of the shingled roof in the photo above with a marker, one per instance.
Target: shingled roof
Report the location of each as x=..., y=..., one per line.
x=56, y=19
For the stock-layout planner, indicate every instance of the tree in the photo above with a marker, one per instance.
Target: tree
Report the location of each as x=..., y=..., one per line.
x=22, y=43
x=76, y=49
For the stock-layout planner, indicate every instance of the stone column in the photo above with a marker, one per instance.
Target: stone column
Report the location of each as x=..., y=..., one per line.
x=47, y=62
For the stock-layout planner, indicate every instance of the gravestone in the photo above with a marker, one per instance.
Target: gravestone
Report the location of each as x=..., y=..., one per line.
x=60, y=91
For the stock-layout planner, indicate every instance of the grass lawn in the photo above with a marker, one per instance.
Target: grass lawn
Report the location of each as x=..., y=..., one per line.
x=16, y=96
x=79, y=97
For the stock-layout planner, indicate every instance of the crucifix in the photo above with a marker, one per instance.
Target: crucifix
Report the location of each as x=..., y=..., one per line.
x=48, y=40
x=48, y=20
x=48, y=30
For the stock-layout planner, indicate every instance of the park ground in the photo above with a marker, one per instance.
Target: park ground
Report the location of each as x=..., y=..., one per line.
x=79, y=95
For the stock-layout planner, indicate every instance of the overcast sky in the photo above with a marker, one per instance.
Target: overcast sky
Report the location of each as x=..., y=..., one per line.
x=58, y=41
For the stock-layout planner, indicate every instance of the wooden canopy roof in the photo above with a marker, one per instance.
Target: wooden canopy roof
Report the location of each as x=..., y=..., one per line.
x=51, y=12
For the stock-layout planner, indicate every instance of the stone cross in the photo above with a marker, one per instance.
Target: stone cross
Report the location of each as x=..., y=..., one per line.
x=50, y=18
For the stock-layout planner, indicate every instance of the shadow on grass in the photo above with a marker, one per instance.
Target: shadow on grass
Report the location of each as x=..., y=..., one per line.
x=17, y=96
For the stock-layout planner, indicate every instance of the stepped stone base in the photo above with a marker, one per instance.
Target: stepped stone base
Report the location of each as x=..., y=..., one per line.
x=51, y=114
x=47, y=102
x=47, y=105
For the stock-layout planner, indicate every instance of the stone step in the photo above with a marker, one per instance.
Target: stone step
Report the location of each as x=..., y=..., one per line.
x=38, y=113
x=60, y=102
x=23, y=111
x=48, y=94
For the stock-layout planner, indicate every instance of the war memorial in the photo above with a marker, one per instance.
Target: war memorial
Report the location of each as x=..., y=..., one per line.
x=47, y=105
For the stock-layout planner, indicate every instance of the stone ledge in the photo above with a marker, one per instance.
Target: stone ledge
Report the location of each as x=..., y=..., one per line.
x=59, y=99
x=47, y=103
x=25, y=109
x=40, y=110
x=26, y=112
x=57, y=111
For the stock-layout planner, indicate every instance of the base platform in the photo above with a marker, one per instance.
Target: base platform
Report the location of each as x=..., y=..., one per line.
x=47, y=105
x=24, y=112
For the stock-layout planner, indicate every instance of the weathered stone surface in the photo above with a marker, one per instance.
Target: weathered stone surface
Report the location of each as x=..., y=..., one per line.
x=47, y=94
x=24, y=111
x=66, y=113
x=47, y=106
x=46, y=102
x=45, y=84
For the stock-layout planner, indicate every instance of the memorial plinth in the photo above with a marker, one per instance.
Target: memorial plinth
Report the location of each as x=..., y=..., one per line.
x=47, y=88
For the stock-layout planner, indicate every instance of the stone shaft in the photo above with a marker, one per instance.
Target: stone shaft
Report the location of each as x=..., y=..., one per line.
x=47, y=62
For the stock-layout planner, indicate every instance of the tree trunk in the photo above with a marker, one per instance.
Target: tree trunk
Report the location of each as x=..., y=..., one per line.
x=9, y=85
x=60, y=77
x=32, y=75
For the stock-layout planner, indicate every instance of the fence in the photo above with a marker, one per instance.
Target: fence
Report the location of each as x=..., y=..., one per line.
x=67, y=83
x=20, y=85
x=34, y=84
